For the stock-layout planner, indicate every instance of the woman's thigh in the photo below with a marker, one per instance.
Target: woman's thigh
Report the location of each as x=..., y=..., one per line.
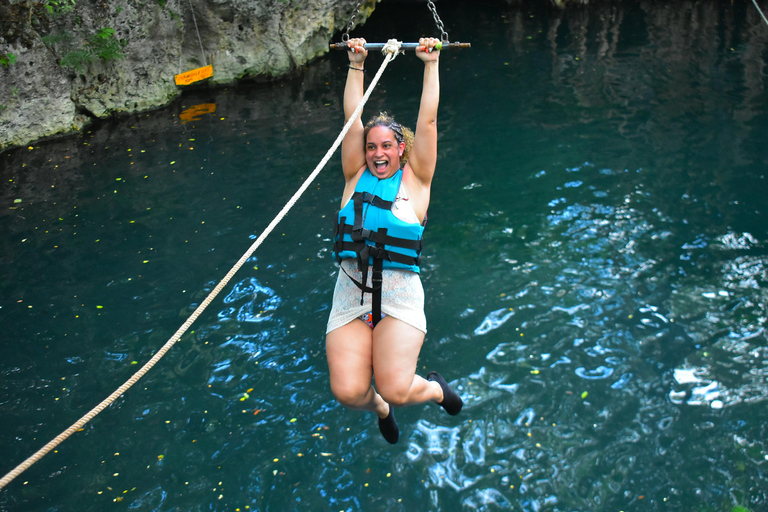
x=395, y=353
x=349, y=353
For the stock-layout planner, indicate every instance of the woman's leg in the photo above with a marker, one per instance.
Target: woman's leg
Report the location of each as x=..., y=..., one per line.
x=395, y=352
x=348, y=350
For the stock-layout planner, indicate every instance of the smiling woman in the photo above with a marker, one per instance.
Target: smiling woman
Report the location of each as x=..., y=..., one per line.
x=385, y=135
x=388, y=174
x=594, y=276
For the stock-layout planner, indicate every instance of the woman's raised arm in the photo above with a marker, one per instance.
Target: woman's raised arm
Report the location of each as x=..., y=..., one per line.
x=353, y=145
x=423, y=158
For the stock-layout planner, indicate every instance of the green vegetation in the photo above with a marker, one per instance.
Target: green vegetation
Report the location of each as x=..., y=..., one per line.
x=105, y=45
x=6, y=59
x=102, y=45
x=76, y=59
x=54, y=39
x=56, y=7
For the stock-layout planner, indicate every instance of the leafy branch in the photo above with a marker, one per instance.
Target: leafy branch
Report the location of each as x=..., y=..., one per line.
x=56, y=7
x=101, y=45
x=7, y=59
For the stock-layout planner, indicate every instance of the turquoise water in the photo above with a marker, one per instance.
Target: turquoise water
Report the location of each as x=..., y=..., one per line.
x=595, y=273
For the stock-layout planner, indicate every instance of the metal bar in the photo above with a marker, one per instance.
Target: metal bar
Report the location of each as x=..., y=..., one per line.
x=403, y=46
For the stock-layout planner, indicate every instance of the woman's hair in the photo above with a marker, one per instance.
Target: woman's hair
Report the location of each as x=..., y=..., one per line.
x=402, y=133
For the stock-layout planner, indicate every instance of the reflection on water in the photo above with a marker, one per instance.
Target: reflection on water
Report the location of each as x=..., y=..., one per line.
x=595, y=272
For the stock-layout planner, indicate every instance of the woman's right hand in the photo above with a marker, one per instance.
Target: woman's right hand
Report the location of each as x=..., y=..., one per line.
x=357, y=53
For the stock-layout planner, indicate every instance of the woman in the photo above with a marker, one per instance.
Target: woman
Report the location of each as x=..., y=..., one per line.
x=388, y=173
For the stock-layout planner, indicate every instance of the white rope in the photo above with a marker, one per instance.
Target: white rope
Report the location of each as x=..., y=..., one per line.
x=760, y=11
x=390, y=55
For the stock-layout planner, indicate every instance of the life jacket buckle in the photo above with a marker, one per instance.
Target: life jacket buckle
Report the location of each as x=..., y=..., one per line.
x=360, y=235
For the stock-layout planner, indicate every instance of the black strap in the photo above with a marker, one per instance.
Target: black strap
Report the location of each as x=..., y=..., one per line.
x=377, y=237
x=361, y=198
x=376, y=280
x=373, y=199
x=364, y=252
x=376, y=295
x=363, y=287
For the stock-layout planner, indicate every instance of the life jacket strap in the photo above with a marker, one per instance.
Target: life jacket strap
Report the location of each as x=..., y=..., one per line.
x=377, y=237
x=376, y=295
x=379, y=254
x=361, y=198
x=361, y=249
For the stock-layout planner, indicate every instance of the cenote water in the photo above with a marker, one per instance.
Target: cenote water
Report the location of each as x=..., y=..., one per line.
x=595, y=272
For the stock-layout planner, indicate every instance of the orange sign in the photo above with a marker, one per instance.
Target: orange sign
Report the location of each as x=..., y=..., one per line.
x=194, y=76
x=194, y=113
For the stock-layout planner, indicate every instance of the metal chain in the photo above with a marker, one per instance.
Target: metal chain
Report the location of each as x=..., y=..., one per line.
x=438, y=21
x=443, y=34
x=351, y=24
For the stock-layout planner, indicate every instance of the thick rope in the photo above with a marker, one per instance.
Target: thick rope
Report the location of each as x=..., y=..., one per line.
x=391, y=52
x=760, y=11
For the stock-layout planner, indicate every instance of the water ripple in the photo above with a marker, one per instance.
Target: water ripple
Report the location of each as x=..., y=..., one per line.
x=601, y=372
x=261, y=301
x=494, y=320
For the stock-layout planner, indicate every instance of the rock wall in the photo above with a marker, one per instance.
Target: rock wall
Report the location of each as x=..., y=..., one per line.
x=64, y=62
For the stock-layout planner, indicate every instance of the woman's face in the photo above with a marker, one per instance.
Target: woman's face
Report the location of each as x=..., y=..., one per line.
x=382, y=152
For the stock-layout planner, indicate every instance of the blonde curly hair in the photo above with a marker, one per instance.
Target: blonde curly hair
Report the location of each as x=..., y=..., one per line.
x=402, y=133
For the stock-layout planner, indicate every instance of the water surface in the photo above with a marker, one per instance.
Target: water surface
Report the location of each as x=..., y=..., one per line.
x=595, y=273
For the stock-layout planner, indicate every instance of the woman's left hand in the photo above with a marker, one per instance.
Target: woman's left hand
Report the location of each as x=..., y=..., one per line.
x=426, y=50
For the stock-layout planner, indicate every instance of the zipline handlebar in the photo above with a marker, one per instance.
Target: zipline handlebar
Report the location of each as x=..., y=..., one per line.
x=403, y=46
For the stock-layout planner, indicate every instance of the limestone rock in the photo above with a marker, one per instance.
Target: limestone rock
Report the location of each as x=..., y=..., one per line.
x=63, y=63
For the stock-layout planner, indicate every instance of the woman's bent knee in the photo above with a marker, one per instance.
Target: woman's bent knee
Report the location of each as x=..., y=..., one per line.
x=353, y=397
x=397, y=396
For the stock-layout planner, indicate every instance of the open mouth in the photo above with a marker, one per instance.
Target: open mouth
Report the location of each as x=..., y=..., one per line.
x=380, y=165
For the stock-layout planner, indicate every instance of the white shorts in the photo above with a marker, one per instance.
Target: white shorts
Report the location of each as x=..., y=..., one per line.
x=402, y=297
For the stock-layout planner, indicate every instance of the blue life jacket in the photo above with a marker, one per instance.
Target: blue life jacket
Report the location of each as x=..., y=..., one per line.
x=367, y=230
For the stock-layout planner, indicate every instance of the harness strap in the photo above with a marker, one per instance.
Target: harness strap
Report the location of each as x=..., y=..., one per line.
x=361, y=198
x=376, y=295
x=373, y=251
x=379, y=254
x=363, y=287
x=377, y=237
x=370, y=247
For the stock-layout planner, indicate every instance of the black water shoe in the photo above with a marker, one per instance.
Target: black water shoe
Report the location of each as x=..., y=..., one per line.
x=451, y=401
x=388, y=426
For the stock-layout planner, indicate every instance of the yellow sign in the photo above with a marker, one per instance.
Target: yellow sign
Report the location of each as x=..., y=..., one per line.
x=194, y=113
x=194, y=76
